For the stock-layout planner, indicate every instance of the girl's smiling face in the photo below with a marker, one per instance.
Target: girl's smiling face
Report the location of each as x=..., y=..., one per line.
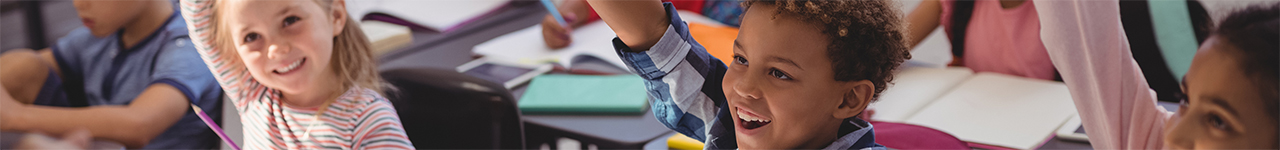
x=780, y=86
x=286, y=44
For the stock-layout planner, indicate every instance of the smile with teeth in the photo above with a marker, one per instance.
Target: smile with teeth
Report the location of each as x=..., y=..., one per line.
x=286, y=69
x=750, y=121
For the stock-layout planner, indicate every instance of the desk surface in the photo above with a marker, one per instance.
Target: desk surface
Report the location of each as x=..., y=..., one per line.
x=448, y=50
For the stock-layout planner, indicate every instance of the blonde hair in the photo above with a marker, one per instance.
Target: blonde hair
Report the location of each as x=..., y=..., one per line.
x=352, y=59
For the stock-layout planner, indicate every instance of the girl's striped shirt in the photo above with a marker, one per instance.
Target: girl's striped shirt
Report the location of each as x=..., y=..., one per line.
x=359, y=119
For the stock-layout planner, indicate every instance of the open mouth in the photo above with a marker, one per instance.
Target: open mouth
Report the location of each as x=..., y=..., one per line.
x=291, y=67
x=751, y=121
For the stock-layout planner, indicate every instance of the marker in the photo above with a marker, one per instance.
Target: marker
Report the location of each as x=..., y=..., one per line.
x=555, y=13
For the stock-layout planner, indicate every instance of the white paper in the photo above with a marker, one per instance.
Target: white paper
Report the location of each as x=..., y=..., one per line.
x=1000, y=110
x=527, y=46
x=436, y=14
x=914, y=88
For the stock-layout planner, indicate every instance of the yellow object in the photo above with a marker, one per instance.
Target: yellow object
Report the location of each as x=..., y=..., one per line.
x=679, y=141
x=717, y=40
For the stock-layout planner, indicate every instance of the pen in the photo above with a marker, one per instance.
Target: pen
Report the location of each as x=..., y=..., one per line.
x=555, y=13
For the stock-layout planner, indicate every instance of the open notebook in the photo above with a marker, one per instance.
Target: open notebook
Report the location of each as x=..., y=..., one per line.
x=984, y=108
x=439, y=15
x=591, y=42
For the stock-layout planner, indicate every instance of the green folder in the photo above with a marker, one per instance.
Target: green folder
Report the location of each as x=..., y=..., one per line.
x=585, y=95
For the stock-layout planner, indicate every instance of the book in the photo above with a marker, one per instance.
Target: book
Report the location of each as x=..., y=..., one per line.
x=982, y=108
x=384, y=37
x=439, y=15
x=591, y=42
x=585, y=95
x=526, y=46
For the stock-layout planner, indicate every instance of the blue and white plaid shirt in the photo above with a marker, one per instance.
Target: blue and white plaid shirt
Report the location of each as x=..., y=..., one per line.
x=683, y=82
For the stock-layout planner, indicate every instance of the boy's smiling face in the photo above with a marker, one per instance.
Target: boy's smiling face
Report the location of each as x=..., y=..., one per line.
x=780, y=85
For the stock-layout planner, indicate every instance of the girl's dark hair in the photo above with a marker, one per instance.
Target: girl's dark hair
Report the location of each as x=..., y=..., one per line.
x=1254, y=32
x=867, y=36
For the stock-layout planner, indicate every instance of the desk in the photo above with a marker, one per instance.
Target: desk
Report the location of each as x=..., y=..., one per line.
x=448, y=50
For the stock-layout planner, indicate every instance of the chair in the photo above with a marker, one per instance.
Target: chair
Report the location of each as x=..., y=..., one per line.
x=444, y=109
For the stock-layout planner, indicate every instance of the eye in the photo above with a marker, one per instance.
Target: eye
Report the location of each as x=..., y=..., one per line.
x=1216, y=122
x=290, y=20
x=739, y=60
x=779, y=74
x=251, y=37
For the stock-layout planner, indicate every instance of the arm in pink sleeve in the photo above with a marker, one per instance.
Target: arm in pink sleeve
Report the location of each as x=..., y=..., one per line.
x=1087, y=44
x=231, y=75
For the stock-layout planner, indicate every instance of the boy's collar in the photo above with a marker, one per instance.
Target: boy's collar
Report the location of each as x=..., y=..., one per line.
x=854, y=133
x=120, y=33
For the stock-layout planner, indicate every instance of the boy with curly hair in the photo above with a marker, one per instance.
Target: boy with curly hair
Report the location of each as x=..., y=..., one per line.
x=801, y=71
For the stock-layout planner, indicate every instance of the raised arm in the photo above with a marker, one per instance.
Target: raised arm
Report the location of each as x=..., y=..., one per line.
x=1087, y=44
x=231, y=75
x=922, y=21
x=639, y=23
x=682, y=79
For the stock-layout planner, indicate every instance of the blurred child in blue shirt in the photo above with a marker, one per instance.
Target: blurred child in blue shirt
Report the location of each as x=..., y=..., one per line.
x=130, y=75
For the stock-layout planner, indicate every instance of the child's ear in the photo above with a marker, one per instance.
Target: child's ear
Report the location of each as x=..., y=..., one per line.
x=338, y=11
x=856, y=99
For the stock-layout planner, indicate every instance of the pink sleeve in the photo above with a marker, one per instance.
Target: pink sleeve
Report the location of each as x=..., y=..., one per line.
x=944, y=19
x=1087, y=43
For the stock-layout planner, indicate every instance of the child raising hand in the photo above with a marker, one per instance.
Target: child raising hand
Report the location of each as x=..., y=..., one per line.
x=300, y=72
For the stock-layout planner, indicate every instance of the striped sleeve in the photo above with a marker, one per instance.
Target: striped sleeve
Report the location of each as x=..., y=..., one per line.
x=682, y=79
x=231, y=75
x=378, y=127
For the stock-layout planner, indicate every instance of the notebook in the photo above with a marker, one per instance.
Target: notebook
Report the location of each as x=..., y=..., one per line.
x=526, y=46
x=384, y=37
x=591, y=42
x=585, y=95
x=983, y=108
x=439, y=15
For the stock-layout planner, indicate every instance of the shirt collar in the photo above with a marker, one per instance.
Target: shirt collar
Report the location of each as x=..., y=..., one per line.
x=862, y=137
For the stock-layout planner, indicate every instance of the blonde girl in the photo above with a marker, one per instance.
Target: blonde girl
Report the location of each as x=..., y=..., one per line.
x=300, y=73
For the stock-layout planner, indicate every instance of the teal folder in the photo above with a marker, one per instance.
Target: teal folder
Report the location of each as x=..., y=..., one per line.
x=585, y=95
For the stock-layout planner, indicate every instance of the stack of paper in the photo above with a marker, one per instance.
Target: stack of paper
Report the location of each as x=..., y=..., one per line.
x=385, y=37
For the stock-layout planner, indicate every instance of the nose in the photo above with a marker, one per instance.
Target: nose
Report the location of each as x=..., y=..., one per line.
x=747, y=87
x=278, y=49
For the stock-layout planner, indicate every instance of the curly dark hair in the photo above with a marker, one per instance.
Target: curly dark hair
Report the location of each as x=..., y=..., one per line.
x=1253, y=32
x=867, y=36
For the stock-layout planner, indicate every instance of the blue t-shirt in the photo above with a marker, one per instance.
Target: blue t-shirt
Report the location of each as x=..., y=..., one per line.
x=98, y=71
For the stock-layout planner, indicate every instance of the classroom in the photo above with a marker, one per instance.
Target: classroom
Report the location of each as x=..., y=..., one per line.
x=639, y=74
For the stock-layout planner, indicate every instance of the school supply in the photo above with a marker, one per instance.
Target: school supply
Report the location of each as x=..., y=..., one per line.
x=981, y=108
x=591, y=42
x=384, y=37
x=214, y=126
x=439, y=15
x=682, y=142
x=585, y=94
x=555, y=13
